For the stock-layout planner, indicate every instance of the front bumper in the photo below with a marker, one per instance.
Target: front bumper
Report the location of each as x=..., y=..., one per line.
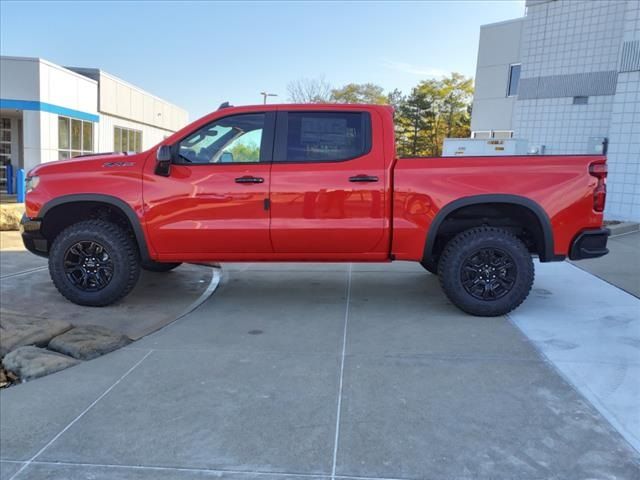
x=590, y=244
x=34, y=241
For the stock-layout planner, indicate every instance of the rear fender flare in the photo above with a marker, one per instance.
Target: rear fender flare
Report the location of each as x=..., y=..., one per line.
x=546, y=255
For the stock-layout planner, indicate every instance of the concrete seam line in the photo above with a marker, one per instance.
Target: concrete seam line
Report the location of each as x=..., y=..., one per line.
x=213, y=285
x=344, y=348
x=211, y=288
x=208, y=470
x=615, y=235
x=601, y=278
x=555, y=368
x=178, y=469
x=25, y=272
x=104, y=394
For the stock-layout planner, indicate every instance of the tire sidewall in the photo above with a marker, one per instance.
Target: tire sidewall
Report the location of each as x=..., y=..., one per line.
x=463, y=246
x=118, y=250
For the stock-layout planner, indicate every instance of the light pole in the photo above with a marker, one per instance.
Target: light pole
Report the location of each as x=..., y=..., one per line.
x=265, y=95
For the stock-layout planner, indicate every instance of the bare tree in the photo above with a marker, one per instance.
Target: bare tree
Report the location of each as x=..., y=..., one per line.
x=309, y=90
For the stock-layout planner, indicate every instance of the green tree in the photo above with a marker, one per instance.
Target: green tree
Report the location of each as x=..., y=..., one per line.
x=412, y=121
x=309, y=90
x=245, y=152
x=359, y=93
x=458, y=95
x=435, y=109
x=395, y=99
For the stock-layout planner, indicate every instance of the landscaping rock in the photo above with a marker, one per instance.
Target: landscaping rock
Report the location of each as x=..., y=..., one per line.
x=10, y=215
x=33, y=362
x=18, y=331
x=6, y=377
x=88, y=341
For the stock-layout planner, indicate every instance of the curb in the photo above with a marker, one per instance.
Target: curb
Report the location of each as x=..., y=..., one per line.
x=214, y=282
x=624, y=227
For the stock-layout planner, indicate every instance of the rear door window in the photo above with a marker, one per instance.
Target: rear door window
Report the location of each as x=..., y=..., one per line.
x=322, y=136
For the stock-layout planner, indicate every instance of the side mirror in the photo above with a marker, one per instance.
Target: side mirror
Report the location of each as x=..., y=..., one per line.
x=163, y=160
x=226, y=157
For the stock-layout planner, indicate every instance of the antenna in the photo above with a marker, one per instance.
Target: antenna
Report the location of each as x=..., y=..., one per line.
x=224, y=105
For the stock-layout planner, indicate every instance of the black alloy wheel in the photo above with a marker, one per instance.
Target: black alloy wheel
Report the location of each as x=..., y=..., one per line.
x=488, y=274
x=88, y=266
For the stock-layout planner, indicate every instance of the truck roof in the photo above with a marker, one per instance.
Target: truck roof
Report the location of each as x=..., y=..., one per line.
x=309, y=106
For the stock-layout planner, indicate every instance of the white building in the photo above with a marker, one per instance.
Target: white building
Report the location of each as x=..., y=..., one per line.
x=565, y=79
x=49, y=112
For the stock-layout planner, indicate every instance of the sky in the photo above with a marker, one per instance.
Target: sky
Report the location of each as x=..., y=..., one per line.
x=200, y=54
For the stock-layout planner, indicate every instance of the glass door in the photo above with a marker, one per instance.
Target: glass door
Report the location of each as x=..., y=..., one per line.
x=5, y=150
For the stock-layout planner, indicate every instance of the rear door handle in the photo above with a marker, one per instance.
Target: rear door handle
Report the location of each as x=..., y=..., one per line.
x=363, y=178
x=249, y=179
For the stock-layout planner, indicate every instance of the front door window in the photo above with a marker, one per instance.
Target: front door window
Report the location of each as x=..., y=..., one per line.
x=235, y=139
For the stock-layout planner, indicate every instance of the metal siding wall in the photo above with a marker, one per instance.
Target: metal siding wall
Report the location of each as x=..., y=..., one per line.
x=572, y=85
x=630, y=56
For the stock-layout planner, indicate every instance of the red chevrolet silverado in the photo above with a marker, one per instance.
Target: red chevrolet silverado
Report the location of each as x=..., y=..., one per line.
x=316, y=183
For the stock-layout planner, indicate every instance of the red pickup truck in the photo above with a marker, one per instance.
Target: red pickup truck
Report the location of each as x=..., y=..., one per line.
x=318, y=183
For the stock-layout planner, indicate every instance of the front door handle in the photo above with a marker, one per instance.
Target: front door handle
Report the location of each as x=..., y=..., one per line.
x=249, y=179
x=363, y=178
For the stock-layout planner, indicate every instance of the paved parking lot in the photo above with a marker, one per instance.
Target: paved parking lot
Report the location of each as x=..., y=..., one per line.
x=320, y=371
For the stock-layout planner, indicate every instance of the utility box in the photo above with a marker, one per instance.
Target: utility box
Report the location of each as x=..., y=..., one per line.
x=477, y=147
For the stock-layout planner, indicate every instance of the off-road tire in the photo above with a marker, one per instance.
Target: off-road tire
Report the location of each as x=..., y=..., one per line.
x=123, y=255
x=462, y=249
x=160, y=267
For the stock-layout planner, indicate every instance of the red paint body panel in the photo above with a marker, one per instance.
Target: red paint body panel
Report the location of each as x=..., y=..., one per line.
x=560, y=184
x=199, y=212
x=315, y=209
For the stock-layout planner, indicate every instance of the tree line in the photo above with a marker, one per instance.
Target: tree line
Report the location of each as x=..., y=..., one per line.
x=433, y=110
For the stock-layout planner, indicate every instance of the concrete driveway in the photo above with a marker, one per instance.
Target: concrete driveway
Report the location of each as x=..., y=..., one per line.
x=336, y=371
x=26, y=290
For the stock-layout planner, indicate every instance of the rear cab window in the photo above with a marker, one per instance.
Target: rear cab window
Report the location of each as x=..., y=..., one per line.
x=322, y=136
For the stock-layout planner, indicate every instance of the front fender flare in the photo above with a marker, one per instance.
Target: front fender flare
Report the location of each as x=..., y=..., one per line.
x=116, y=202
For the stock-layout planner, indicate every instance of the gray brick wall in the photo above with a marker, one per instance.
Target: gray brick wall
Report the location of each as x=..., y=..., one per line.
x=567, y=37
x=623, y=199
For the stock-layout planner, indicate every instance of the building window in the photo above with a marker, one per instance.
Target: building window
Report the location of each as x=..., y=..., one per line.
x=75, y=137
x=580, y=100
x=514, y=80
x=481, y=134
x=487, y=134
x=502, y=134
x=127, y=140
x=5, y=141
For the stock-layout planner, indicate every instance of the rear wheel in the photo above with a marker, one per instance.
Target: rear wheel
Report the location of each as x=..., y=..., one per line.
x=486, y=271
x=94, y=263
x=152, y=266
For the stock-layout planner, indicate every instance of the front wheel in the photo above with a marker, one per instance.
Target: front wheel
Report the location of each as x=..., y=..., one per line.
x=94, y=263
x=486, y=271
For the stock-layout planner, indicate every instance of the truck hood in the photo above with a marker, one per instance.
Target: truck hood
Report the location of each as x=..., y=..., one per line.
x=89, y=163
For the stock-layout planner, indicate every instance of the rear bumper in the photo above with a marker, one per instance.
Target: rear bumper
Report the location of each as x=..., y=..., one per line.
x=34, y=241
x=590, y=244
